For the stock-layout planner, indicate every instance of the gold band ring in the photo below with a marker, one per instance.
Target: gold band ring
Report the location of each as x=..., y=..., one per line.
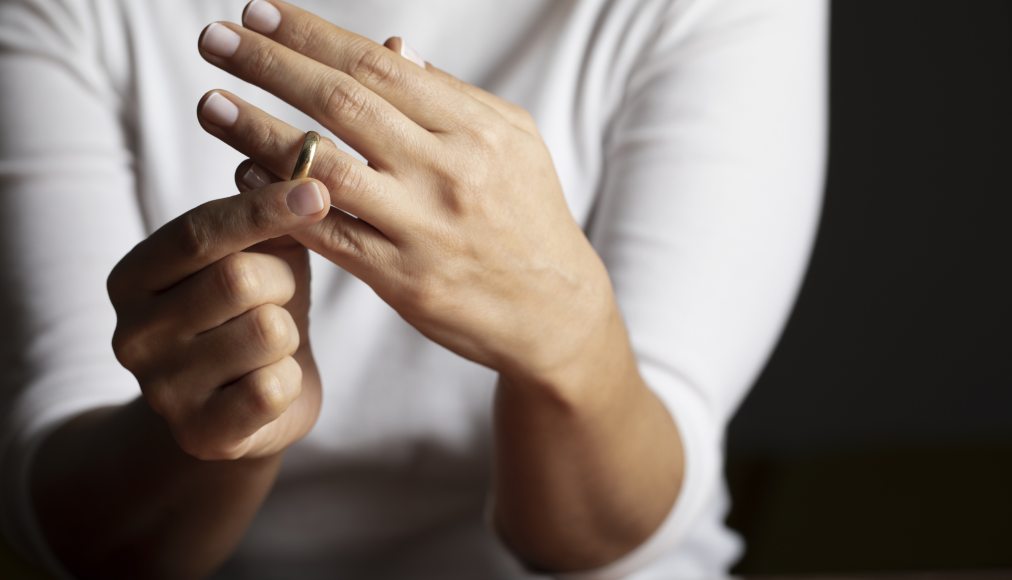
x=306, y=155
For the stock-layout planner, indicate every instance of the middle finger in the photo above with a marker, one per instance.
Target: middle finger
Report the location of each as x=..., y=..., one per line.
x=360, y=117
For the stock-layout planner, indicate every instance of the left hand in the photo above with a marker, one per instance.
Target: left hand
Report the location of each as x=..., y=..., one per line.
x=463, y=228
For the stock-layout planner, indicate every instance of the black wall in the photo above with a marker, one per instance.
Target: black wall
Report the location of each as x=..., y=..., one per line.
x=879, y=436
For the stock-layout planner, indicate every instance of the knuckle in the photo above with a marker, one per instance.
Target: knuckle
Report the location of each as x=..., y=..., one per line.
x=129, y=348
x=343, y=102
x=487, y=137
x=447, y=175
x=262, y=61
x=345, y=240
x=374, y=67
x=461, y=184
x=261, y=215
x=265, y=138
x=237, y=279
x=195, y=238
x=299, y=34
x=274, y=329
x=341, y=176
x=266, y=395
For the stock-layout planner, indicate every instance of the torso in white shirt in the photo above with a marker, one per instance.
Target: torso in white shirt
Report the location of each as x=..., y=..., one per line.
x=393, y=480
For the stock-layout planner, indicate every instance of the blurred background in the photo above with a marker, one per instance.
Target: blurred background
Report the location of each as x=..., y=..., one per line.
x=879, y=437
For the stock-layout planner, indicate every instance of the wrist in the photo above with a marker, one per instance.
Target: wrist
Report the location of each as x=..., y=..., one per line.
x=589, y=373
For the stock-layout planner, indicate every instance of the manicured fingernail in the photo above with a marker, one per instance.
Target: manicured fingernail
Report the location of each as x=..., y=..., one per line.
x=410, y=54
x=220, y=40
x=305, y=199
x=219, y=110
x=256, y=177
x=261, y=16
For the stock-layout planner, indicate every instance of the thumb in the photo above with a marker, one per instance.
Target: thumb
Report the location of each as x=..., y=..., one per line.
x=213, y=230
x=346, y=241
x=238, y=222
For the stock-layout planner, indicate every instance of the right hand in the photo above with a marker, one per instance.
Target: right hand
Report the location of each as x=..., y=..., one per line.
x=212, y=319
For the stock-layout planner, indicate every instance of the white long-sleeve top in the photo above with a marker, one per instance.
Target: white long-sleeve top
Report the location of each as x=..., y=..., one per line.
x=689, y=139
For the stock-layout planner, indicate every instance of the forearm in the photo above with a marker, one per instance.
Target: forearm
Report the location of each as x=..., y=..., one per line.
x=116, y=497
x=587, y=463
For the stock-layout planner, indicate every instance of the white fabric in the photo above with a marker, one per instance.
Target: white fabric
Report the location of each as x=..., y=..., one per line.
x=688, y=135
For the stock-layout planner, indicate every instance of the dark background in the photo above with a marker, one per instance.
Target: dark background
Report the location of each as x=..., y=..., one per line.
x=879, y=437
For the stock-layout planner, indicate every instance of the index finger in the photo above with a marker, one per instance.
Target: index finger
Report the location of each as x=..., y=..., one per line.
x=213, y=230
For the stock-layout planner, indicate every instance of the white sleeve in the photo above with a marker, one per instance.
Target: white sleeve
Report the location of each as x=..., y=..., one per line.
x=710, y=200
x=68, y=212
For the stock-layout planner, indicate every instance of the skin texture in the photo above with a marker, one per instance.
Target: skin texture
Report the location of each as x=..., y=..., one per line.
x=481, y=259
x=212, y=319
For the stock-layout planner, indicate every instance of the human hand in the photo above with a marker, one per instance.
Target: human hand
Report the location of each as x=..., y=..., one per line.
x=463, y=226
x=212, y=319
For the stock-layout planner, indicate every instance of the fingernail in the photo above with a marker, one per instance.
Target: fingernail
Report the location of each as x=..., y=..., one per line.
x=219, y=110
x=220, y=40
x=261, y=16
x=256, y=177
x=410, y=54
x=305, y=199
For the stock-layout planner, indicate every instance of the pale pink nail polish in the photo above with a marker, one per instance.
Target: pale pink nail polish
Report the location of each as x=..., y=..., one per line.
x=305, y=199
x=219, y=110
x=220, y=40
x=412, y=55
x=261, y=16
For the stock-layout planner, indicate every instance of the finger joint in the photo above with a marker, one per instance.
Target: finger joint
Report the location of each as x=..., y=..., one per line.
x=343, y=103
x=274, y=330
x=196, y=239
x=374, y=67
x=238, y=281
x=262, y=62
x=266, y=395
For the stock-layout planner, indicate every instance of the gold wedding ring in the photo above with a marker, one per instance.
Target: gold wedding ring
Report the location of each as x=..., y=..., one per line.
x=306, y=155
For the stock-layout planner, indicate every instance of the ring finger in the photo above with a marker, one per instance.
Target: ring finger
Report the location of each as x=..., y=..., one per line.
x=274, y=144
